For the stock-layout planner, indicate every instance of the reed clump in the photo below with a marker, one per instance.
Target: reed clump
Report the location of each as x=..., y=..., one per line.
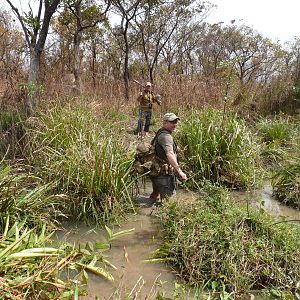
x=277, y=130
x=87, y=158
x=275, y=138
x=286, y=182
x=280, y=149
x=214, y=245
x=219, y=148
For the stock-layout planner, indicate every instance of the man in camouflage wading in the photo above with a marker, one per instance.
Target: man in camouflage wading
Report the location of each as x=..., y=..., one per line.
x=164, y=184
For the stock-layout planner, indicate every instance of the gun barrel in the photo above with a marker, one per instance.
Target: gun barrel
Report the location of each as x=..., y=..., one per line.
x=138, y=83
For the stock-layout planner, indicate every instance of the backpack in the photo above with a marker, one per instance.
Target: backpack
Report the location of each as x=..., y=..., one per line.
x=146, y=160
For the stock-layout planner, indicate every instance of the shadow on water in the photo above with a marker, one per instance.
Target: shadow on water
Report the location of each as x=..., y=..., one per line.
x=143, y=280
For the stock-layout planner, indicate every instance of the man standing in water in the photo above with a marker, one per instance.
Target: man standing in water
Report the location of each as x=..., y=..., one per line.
x=146, y=100
x=164, y=184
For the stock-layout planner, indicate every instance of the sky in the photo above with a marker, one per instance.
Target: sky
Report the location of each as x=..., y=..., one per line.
x=277, y=20
x=274, y=19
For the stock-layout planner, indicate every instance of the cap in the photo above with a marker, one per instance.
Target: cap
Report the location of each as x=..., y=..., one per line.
x=170, y=117
x=148, y=83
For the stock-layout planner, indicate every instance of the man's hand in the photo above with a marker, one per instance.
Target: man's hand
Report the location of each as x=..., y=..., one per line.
x=182, y=176
x=157, y=99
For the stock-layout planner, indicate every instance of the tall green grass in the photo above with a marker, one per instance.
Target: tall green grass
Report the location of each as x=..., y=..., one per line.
x=214, y=245
x=25, y=198
x=87, y=158
x=286, y=181
x=277, y=130
x=221, y=150
x=275, y=135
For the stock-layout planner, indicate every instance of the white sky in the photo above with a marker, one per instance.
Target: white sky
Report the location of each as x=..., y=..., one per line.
x=275, y=19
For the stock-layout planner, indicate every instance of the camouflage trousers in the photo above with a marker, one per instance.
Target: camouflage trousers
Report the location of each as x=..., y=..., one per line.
x=144, y=121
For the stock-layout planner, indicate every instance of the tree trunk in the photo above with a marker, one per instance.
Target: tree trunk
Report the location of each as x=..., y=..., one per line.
x=94, y=58
x=126, y=70
x=77, y=62
x=32, y=89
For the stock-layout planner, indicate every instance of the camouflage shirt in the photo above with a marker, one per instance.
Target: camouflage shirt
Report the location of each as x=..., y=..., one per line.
x=146, y=99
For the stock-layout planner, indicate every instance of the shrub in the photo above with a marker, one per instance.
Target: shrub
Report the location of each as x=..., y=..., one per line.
x=11, y=131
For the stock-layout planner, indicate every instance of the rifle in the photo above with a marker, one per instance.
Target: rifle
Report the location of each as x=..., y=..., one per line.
x=138, y=83
x=158, y=96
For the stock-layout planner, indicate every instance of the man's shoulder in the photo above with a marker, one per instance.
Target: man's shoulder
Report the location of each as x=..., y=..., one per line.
x=164, y=136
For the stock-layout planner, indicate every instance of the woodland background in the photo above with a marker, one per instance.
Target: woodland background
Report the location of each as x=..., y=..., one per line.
x=93, y=49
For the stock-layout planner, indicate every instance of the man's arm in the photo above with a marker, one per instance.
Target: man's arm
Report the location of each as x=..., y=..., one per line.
x=172, y=159
x=140, y=97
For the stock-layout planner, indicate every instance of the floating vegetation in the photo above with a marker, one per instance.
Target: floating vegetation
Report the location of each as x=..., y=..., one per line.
x=31, y=270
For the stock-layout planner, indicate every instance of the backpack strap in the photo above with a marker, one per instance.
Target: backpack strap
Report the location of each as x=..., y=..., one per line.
x=159, y=151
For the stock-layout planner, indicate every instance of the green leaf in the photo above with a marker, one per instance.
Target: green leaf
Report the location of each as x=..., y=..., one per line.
x=102, y=246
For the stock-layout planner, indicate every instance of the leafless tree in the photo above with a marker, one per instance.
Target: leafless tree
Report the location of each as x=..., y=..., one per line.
x=35, y=29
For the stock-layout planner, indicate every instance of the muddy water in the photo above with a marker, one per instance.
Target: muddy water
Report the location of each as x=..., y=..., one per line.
x=263, y=199
x=134, y=276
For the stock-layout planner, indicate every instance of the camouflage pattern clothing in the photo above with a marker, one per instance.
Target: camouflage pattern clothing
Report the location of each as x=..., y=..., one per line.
x=146, y=100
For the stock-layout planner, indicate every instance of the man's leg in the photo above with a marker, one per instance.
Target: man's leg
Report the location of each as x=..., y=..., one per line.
x=155, y=195
x=165, y=185
x=148, y=115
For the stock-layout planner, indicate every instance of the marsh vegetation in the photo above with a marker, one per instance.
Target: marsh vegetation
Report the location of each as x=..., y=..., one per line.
x=67, y=117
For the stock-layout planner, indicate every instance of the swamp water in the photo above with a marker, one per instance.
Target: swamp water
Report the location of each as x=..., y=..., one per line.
x=143, y=280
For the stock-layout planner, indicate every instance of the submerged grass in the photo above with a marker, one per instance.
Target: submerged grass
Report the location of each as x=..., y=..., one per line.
x=223, y=248
x=88, y=159
x=221, y=150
